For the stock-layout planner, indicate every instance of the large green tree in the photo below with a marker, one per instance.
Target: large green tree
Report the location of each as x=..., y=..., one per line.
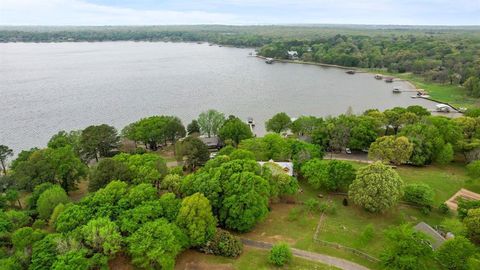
x=330, y=175
x=98, y=141
x=376, y=188
x=195, y=218
x=396, y=150
x=107, y=170
x=145, y=168
x=235, y=130
x=49, y=199
x=102, y=235
x=210, y=122
x=406, y=249
x=280, y=122
x=194, y=151
x=454, y=253
x=156, y=244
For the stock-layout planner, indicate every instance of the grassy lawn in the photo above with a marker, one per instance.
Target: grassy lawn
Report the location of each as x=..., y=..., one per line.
x=347, y=224
x=452, y=94
x=250, y=259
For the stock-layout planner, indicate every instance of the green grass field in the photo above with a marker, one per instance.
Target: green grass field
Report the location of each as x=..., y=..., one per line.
x=452, y=94
x=348, y=224
x=250, y=259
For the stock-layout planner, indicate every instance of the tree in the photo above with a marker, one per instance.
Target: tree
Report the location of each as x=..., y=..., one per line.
x=72, y=217
x=155, y=130
x=174, y=129
x=62, y=139
x=37, y=191
x=419, y=194
x=210, y=122
x=172, y=183
x=195, y=151
x=102, y=235
x=454, y=253
x=13, y=197
x=376, y=188
x=44, y=253
x=406, y=249
x=280, y=254
x=17, y=219
x=193, y=127
x=472, y=85
x=107, y=170
x=156, y=244
x=241, y=154
x=5, y=152
x=472, y=222
x=145, y=168
x=280, y=182
x=245, y=202
x=60, y=166
x=195, y=218
x=98, y=141
x=473, y=169
x=235, y=130
x=330, y=175
x=280, y=122
x=445, y=155
x=24, y=238
x=305, y=125
x=72, y=260
x=390, y=149
x=49, y=199
x=426, y=140
x=224, y=244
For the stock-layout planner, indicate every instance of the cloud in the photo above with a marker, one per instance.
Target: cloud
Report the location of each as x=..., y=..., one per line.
x=147, y=12
x=77, y=12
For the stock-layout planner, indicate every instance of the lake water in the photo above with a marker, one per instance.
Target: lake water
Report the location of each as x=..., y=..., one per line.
x=49, y=87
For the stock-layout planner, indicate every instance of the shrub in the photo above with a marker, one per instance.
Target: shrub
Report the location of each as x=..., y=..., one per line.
x=171, y=183
x=56, y=212
x=39, y=224
x=18, y=219
x=49, y=199
x=224, y=244
x=294, y=214
x=443, y=209
x=419, y=194
x=473, y=169
x=367, y=235
x=177, y=170
x=312, y=205
x=280, y=254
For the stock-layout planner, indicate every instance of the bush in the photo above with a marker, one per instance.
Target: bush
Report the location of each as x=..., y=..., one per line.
x=280, y=254
x=18, y=219
x=443, y=209
x=312, y=205
x=56, y=212
x=223, y=244
x=294, y=214
x=419, y=194
x=39, y=224
x=177, y=170
x=171, y=183
x=367, y=235
x=49, y=199
x=473, y=169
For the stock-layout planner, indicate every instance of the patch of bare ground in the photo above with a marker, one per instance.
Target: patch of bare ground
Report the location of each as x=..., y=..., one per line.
x=120, y=262
x=81, y=192
x=194, y=260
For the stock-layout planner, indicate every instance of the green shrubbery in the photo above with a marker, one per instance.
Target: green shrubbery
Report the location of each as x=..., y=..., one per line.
x=224, y=244
x=280, y=254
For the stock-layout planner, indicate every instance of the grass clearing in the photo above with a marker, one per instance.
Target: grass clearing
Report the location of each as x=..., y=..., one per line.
x=251, y=258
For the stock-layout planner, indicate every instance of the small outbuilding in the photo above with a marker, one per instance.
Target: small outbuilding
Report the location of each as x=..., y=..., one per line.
x=213, y=142
x=436, y=239
x=287, y=167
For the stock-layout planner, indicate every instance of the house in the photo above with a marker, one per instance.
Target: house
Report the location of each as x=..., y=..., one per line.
x=212, y=142
x=292, y=55
x=286, y=166
x=436, y=239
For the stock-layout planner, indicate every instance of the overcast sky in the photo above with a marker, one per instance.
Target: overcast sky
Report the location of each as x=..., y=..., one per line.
x=239, y=12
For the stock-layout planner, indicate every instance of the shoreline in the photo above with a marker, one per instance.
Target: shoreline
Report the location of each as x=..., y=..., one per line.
x=360, y=70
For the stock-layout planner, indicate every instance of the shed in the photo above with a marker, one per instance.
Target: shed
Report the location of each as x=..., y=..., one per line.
x=286, y=166
x=436, y=239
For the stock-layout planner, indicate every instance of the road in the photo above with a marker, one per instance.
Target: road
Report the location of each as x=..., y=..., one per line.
x=312, y=256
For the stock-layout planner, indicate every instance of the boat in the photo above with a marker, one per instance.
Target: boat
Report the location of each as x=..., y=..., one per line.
x=443, y=108
x=269, y=60
x=378, y=77
x=389, y=80
x=250, y=121
x=396, y=90
x=351, y=72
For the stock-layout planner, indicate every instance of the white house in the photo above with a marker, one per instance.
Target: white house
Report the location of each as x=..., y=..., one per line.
x=293, y=55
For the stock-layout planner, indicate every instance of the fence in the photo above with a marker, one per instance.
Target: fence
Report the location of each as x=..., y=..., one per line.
x=338, y=246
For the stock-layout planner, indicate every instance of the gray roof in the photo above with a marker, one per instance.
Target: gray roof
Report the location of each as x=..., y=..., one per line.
x=212, y=141
x=436, y=238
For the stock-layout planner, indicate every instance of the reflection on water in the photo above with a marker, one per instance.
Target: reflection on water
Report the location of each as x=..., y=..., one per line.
x=49, y=87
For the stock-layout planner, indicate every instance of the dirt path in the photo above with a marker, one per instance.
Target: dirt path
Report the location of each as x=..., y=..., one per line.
x=317, y=257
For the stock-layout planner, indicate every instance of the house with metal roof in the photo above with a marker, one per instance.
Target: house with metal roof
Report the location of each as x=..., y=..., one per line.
x=436, y=239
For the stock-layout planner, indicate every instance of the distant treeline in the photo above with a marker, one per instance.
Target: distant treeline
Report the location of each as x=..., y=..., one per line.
x=438, y=54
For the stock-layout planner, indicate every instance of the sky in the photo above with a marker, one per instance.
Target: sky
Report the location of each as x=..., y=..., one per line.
x=239, y=12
